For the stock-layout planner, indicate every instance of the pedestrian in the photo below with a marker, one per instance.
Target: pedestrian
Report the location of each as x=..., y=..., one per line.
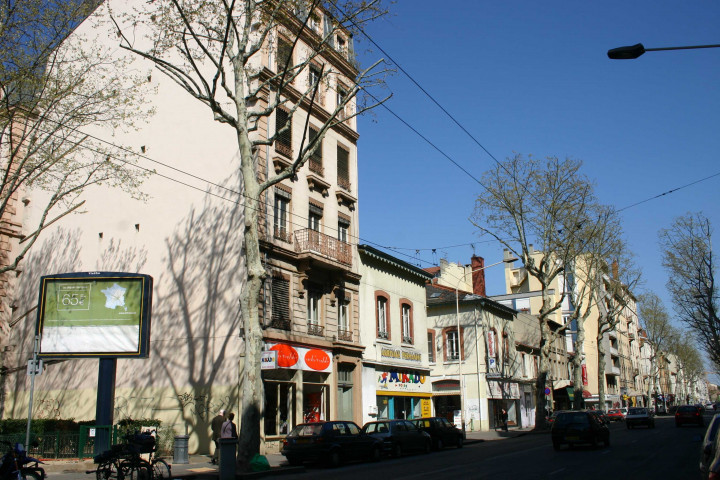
x=229, y=430
x=216, y=425
x=504, y=418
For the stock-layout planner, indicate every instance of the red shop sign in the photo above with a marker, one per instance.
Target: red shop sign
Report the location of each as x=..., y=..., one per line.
x=287, y=356
x=317, y=359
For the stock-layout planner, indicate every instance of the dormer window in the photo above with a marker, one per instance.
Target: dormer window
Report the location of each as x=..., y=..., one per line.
x=341, y=45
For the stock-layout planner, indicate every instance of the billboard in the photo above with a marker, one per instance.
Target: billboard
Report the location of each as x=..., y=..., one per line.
x=95, y=314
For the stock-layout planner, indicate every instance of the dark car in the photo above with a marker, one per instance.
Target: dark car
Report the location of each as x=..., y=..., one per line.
x=709, y=445
x=441, y=431
x=637, y=416
x=689, y=414
x=332, y=442
x=399, y=436
x=577, y=427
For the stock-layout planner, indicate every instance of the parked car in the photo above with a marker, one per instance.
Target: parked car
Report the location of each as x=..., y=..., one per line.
x=441, y=431
x=552, y=417
x=399, y=436
x=709, y=445
x=332, y=442
x=615, y=415
x=602, y=416
x=689, y=414
x=579, y=426
x=639, y=416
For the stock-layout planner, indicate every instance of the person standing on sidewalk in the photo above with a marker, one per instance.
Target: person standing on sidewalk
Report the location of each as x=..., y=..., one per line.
x=504, y=419
x=229, y=430
x=216, y=425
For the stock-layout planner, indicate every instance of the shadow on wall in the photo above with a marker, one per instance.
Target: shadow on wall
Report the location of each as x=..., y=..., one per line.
x=194, y=332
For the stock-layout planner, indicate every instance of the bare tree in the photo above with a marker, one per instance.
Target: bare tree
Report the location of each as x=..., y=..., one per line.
x=688, y=259
x=546, y=203
x=655, y=323
x=690, y=365
x=51, y=91
x=214, y=51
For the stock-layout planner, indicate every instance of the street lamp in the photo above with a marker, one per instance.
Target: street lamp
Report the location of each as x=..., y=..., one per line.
x=631, y=52
x=459, y=337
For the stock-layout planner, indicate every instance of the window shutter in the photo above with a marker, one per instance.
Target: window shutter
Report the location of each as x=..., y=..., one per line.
x=343, y=168
x=280, y=299
x=283, y=142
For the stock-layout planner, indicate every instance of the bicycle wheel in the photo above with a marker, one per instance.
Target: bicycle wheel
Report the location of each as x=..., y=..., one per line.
x=161, y=470
x=107, y=471
x=135, y=470
x=30, y=475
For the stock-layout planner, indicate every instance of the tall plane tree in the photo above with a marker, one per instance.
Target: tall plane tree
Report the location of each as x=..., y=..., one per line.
x=214, y=50
x=658, y=332
x=688, y=259
x=528, y=202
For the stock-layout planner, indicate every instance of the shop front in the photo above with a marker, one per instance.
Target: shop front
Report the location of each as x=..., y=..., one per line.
x=297, y=388
x=402, y=394
x=504, y=394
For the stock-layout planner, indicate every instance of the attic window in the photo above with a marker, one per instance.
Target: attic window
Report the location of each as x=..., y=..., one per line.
x=434, y=295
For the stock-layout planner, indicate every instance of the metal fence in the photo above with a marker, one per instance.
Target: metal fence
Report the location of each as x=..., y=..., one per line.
x=55, y=445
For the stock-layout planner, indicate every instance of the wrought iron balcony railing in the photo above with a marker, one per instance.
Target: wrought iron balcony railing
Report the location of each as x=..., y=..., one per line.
x=345, y=335
x=309, y=240
x=315, y=329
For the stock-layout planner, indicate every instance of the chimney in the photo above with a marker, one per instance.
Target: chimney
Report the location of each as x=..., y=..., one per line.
x=615, y=270
x=478, y=275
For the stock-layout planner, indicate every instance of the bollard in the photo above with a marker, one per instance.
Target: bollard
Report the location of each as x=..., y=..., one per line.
x=180, y=454
x=228, y=451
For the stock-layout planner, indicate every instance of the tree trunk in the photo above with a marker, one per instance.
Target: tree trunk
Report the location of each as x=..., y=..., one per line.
x=602, y=355
x=578, y=401
x=543, y=370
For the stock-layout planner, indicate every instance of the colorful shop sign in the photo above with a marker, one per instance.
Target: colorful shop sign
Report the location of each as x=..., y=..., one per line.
x=302, y=358
x=399, y=381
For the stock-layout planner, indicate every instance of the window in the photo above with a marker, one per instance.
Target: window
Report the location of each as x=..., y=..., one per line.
x=315, y=215
x=341, y=45
x=313, y=307
x=279, y=416
x=431, y=345
x=341, y=98
x=343, y=229
x=452, y=345
x=284, y=55
x=406, y=322
x=316, y=162
x=283, y=130
x=313, y=79
x=282, y=207
x=343, y=168
x=383, y=322
x=343, y=321
x=314, y=22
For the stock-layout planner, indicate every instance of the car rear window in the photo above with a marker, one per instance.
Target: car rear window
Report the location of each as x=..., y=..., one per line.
x=687, y=409
x=637, y=411
x=306, y=430
x=566, y=418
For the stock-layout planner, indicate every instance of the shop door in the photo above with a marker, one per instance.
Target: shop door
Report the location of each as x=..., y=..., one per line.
x=345, y=405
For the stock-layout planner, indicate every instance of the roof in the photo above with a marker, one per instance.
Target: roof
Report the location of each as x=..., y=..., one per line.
x=441, y=295
x=396, y=262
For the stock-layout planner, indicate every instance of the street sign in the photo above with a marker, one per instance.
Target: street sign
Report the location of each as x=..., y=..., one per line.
x=34, y=367
x=547, y=391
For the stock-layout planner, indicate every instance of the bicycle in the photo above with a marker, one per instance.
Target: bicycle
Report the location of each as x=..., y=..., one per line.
x=16, y=464
x=125, y=461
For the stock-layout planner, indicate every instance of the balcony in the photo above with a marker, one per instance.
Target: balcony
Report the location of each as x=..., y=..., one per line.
x=345, y=335
x=322, y=247
x=315, y=330
x=406, y=339
x=383, y=335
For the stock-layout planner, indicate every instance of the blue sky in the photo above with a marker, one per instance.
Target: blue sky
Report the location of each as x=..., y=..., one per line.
x=534, y=78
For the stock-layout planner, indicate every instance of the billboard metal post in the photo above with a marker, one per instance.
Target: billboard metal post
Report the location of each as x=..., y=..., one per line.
x=33, y=372
x=104, y=409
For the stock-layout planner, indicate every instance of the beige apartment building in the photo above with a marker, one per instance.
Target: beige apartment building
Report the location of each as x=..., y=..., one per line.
x=188, y=236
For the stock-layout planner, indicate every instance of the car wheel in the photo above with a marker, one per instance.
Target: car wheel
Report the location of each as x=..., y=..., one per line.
x=397, y=450
x=376, y=454
x=460, y=441
x=595, y=443
x=629, y=426
x=294, y=461
x=335, y=460
x=556, y=445
x=428, y=446
x=439, y=444
x=606, y=442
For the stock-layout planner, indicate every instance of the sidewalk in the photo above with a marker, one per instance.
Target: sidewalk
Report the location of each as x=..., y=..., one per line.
x=200, y=468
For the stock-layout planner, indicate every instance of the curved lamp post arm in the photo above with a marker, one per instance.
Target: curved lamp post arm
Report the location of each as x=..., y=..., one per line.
x=634, y=51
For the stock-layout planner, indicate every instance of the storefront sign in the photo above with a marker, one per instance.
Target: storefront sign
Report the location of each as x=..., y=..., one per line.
x=584, y=374
x=425, y=407
x=398, y=381
x=491, y=344
x=390, y=353
x=503, y=390
x=268, y=360
x=302, y=358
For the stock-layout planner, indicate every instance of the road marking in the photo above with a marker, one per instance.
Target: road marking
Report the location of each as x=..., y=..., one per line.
x=557, y=471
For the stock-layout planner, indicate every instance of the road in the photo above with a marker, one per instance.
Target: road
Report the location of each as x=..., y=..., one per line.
x=665, y=452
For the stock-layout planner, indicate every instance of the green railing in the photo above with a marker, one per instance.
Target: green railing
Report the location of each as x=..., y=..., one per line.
x=59, y=445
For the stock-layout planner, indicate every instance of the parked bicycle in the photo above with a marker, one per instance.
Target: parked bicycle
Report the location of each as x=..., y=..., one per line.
x=16, y=464
x=125, y=461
